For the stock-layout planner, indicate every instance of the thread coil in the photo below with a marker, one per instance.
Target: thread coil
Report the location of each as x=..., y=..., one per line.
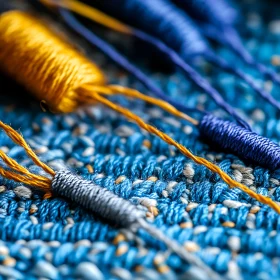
x=97, y=199
x=49, y=67
x=244, y=143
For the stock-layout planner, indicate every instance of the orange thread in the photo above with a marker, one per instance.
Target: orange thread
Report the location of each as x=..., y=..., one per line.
x=58, y=74
x=115, y=89
x=18, y=139
x=19, y=173
x=90, y=13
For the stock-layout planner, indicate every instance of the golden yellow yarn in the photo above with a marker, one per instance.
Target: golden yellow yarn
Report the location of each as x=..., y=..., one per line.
x=49, y=67
x=90, y=13
x=58, y=74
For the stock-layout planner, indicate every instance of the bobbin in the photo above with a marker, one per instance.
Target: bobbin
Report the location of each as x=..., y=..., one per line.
x=179, y=32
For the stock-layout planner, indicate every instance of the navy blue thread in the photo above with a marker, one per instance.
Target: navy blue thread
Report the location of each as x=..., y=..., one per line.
x=178, y=31
x=242, y=142
x=218, y=21
x=192, y=74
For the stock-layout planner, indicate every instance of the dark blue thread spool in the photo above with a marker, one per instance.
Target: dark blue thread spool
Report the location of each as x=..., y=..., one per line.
x=164, y=20
x=238, y=140
x=216, y=12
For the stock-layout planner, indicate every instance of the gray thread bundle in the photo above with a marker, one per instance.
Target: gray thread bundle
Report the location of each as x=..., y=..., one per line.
x=116, y=209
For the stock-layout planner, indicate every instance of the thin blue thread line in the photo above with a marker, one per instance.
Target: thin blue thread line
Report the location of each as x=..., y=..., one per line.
x=72, y=22
x=121, y=60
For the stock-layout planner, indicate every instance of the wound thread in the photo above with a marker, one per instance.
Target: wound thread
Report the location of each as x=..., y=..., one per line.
x=217, y=22
x=240, y=141
x=117, y=210
x=49, y=67
x=97, y=199
x=218, y=12
x=177, y=23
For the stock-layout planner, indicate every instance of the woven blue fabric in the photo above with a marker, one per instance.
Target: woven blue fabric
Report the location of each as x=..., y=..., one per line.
x=56, y=239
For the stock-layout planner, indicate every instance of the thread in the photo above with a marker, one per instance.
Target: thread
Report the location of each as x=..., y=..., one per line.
x=121, y=60
x=49, y=67
x=240, y=141
x=113, y=89
x=99, y=200
x=179, y=32
x=85, y=92
x=218, y=12
x=192, y=74
x=19, y=173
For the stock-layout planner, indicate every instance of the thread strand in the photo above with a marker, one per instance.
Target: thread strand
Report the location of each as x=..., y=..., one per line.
x=175, y=58
x=11, y=163
x=18, y=139
x=169, y=140
x=113, y=89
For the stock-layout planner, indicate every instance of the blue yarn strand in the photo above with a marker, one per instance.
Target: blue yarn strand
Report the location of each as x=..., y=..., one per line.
x=193, y=75
x=178, y=31
x=215, y=12
x=178, y=61
x=113, y=54
x=238, y=140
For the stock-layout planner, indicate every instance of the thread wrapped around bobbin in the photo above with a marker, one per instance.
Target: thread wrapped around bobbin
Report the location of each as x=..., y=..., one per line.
x=95, y=198
x=42, y=62
x=248, y=145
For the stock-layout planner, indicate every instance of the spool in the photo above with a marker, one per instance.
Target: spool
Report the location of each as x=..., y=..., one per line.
x=46, y=65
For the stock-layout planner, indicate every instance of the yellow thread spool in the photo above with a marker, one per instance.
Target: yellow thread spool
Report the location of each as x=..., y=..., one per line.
x=49, y=67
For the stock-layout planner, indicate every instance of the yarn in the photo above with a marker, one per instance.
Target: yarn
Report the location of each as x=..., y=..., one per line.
x=194, y=76
x=120, y=59
x=85, y=92
x=242, y=142
x=97, y=199
x=216, y=12
x=45, y=64
x=173, y=27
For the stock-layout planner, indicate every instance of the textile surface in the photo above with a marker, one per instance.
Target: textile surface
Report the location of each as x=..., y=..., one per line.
x=56, y=239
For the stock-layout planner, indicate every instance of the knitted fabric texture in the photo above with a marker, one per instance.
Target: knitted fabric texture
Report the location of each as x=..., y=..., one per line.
x=232, y=233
